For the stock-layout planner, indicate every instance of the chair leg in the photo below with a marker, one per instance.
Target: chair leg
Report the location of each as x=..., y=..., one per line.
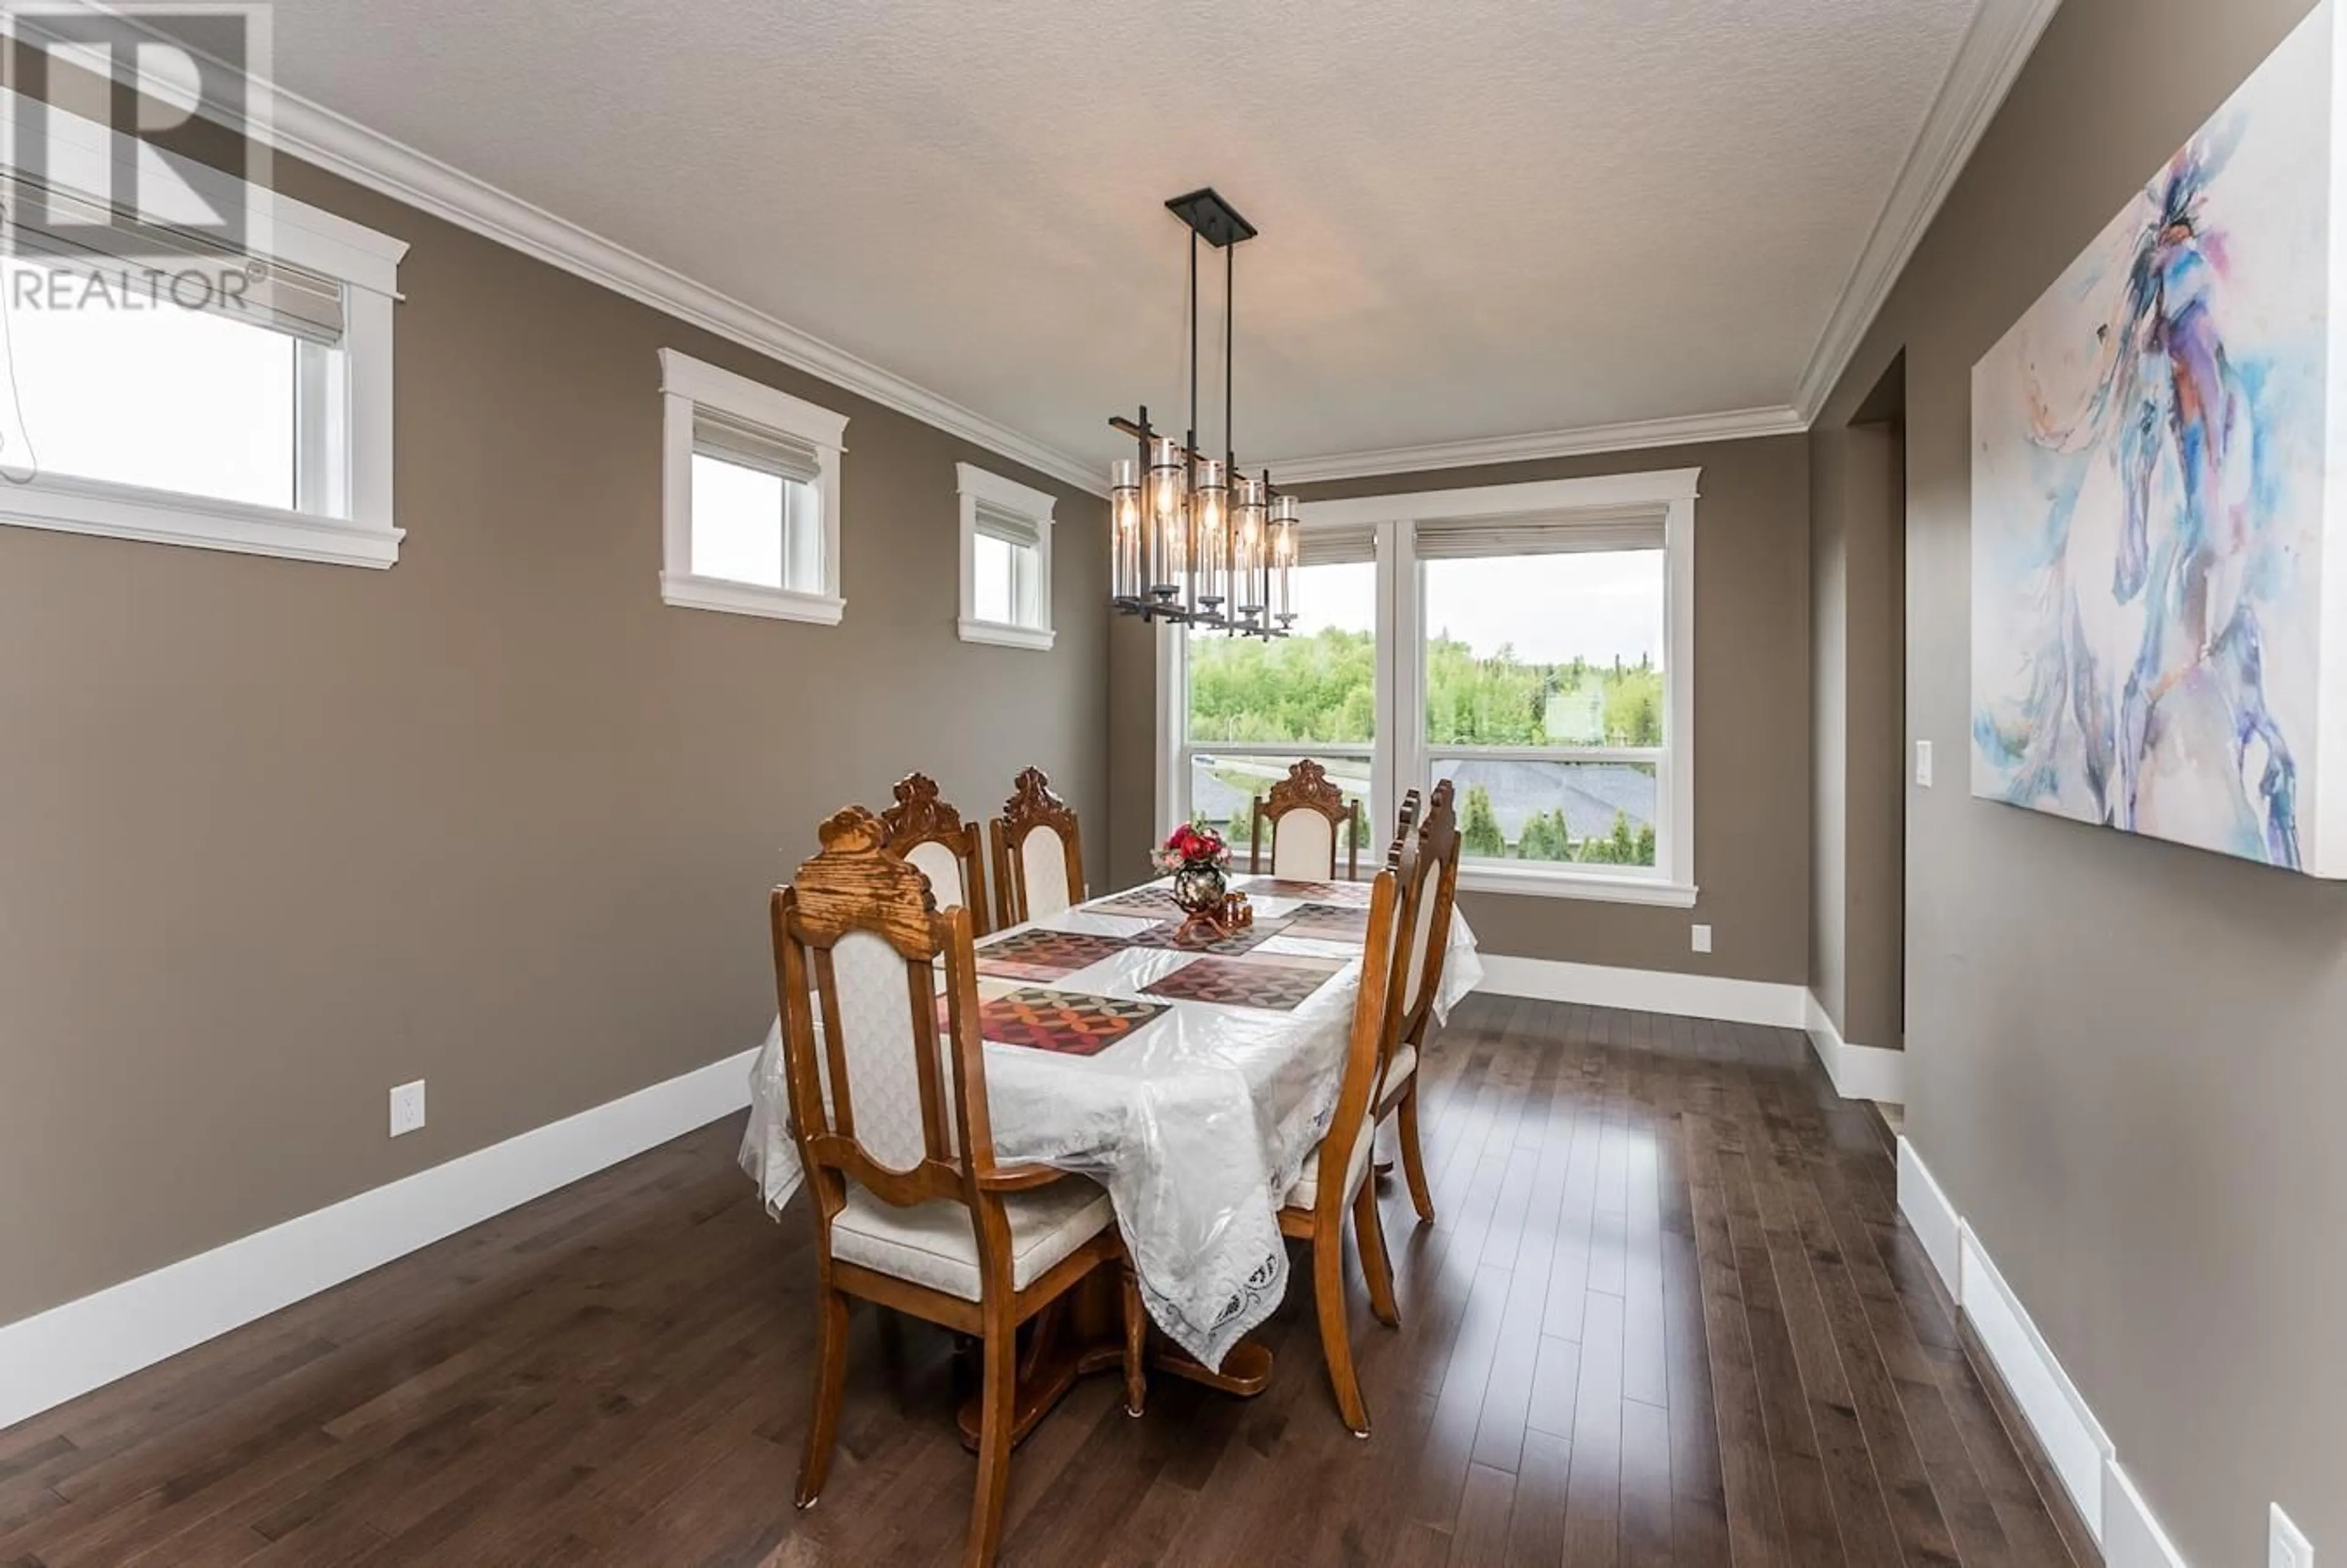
x=1336, y=1335
x=1369, y=1235
x=998, y=1412
x=1413, y=1159
x=1136, y=1343
x=830, y=1376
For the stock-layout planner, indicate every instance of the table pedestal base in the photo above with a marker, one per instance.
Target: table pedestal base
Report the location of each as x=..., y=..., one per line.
x=1058, y=1353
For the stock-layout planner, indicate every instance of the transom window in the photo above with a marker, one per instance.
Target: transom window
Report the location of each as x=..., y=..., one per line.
x=1006, y=561
x=757, y=515
x=169, y=388
x=1530, y=643
x=753, y=496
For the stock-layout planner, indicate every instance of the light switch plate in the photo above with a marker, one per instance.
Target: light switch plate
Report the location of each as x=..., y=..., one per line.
x=2286, y=1545
x=407, y=1108
x=1924, y=764
x=1703, y=939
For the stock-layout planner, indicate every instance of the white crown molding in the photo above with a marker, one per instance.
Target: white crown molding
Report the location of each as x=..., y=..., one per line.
x=341, y=146
x=1994, y=48
x=1987, y=62
x=1683, y=430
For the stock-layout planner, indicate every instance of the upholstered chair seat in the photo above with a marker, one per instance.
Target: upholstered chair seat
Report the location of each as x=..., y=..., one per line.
x=931, y=1243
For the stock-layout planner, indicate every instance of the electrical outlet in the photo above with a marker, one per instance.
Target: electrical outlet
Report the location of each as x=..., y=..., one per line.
x=1703, y=939
x=1924, y=764
x=2286, y=1545
x=407, y=1108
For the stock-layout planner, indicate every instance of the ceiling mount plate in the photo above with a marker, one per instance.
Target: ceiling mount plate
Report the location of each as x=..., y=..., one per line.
x=1217, y=223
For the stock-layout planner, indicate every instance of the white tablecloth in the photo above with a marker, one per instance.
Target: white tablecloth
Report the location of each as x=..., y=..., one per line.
x=1197, y=1124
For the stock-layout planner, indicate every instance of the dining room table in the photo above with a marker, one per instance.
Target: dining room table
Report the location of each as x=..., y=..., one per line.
x=1189, y=1073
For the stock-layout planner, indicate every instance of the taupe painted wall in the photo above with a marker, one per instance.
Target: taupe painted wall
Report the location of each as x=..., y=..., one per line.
x=276, y=836
x=1857, y=517
x=1752, y=726
x=1828, y=732
x=2126, y=1059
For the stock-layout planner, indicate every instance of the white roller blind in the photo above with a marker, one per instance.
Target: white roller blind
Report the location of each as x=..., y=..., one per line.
x=1009, y=527
x=1636, y=528
x=64, y=229
x=1336, y=545
x=737, y=442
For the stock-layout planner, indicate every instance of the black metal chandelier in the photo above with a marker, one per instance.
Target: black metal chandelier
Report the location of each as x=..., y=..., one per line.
x=1197, y=542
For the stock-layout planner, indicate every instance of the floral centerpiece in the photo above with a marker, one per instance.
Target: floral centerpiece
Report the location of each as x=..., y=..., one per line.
x=1196, y=858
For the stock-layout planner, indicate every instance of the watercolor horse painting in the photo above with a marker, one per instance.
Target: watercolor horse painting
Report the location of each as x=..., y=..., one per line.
x=2153, y=488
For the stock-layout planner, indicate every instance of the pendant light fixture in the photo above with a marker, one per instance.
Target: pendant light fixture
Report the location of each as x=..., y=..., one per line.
x=1197, y=542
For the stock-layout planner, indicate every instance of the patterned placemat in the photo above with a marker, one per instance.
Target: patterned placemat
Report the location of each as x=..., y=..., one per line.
x=1278, y=986
x=1071, y=1023
x=1246, y=939
x=1283, y=888
x=1042, y=955
x=1327, y=923
x=1137, y=901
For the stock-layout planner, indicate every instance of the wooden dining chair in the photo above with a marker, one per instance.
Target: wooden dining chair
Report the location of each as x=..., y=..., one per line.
x=1302, y=818
x=931, y=834
x=1324, y=1194
x=1430, y=904
x=1039, y=857
x=1405, y=819
x=911, y=1210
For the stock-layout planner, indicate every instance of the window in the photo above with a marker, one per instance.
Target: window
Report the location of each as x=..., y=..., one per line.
x=751, y=513
x=167, y=390
x=1253, y=707
x=1006, y=561
x=1531, y=643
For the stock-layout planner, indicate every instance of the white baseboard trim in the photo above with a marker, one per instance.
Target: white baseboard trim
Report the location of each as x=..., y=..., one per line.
x=1859, y=1071
x=2132, y=1538
x=68, y=1350
x=2074, y=1442
x=2072, y=1439
x=1933, y=1219
x=1647, y=991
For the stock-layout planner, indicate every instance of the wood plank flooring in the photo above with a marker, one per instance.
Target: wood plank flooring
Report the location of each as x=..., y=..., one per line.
x=1668, y=1315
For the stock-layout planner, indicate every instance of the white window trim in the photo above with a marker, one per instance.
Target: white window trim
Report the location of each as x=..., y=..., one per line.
x=976, y=486
x=367, y=264
x=687, y=384
x=1406, y=764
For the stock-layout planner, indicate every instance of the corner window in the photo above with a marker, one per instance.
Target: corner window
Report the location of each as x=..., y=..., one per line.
x=1533, y=644
x=750, y=508
x=1006, y=561
x=168, y=391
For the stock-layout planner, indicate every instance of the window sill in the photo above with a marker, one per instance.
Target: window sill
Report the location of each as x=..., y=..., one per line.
x=689, y=592
x=164, y=518
x=1577, y=885
x=1004, y=635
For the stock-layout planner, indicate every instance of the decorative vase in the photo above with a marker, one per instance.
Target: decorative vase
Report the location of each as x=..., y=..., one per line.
x=1198, y=888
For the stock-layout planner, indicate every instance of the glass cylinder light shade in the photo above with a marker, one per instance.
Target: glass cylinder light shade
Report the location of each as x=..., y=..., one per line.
x=1169, y=521
x=1249, y=506
x=1128, y=563
x=1214, y=540
x=1286, y=520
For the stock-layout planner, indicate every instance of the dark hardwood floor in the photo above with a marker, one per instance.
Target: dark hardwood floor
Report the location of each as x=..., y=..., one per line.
x=1668, y=1315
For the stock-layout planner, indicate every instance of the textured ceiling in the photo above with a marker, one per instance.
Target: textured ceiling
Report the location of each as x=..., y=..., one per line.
x=1478, y=217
